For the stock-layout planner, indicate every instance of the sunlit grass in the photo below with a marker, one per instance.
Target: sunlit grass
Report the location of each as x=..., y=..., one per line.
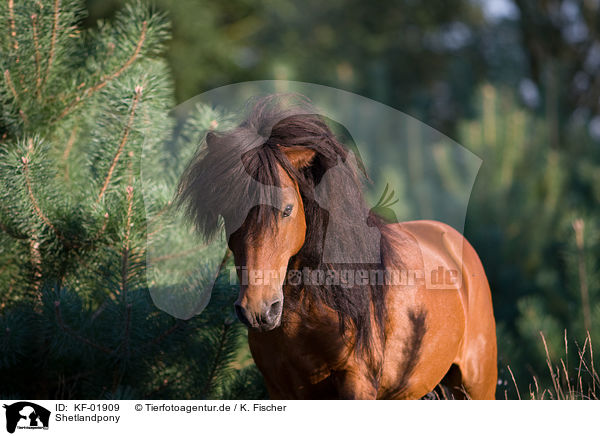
x=568, y=382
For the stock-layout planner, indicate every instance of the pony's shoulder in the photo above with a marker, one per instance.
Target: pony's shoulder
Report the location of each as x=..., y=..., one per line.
x=415, y=241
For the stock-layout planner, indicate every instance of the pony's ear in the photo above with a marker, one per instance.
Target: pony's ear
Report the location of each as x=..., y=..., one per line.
x=299, y=157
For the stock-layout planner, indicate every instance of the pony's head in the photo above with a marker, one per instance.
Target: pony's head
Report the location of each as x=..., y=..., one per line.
x=267, y=179
x=269, y=237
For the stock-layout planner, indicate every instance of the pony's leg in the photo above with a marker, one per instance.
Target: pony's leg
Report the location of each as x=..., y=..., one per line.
x=482, y=388
x=354, y=386
x=479, y=373
x=478, y=355
x=478, y=361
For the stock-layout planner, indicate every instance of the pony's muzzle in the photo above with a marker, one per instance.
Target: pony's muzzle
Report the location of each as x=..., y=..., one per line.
x=267, y=319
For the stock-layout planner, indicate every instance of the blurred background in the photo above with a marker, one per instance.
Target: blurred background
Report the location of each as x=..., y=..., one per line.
x=516, y=82
x=428, y=60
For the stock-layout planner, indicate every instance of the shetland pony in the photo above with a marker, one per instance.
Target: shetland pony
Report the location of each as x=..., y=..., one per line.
x=326, y=317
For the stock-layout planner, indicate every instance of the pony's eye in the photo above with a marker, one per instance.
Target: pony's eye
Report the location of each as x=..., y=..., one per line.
x=288, y=210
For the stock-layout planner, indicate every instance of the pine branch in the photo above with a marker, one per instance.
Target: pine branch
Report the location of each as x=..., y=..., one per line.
x=38, y=81
x=52, y=40
x=127, y=326
x=67, y=152
x=70, y=143
x=11, y=232
x=10, y=85
x=124, y=272
x=216, y=361
x=105, y=80
x=36, y=263
x=34, y=245
x=125, y=255
x=34, y=202
x=120, y=371
x=158, y=339
x=24, y=116
x=136, y=99
x=70, y=332
x=102, y=229
x=99, y=311
x=12, y=35
x=15, y=95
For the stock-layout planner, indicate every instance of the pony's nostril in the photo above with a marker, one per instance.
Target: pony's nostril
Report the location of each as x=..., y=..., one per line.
x=268, y=320
x=274, y=311
x=242, y=314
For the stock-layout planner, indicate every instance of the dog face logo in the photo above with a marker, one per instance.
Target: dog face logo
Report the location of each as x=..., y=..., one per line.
x=26, y=415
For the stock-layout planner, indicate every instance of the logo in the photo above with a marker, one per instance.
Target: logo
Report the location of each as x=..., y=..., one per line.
x=26, y=415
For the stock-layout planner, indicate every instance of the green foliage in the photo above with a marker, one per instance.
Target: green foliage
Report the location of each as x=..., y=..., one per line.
x=533, y=220
x=78, y=110
x=392, y=51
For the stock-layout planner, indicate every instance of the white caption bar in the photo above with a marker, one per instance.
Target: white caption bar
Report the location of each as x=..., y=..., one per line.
x=296, y=417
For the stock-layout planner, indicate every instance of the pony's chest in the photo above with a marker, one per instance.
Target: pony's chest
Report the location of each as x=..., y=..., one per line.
x=298, y=362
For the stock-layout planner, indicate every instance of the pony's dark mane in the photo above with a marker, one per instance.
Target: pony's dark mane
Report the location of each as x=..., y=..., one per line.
x=222, y=180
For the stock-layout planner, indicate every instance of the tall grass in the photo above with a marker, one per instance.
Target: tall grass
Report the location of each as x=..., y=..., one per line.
x=579, y=381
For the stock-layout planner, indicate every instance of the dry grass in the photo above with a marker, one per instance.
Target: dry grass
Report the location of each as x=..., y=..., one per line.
x=580, y=382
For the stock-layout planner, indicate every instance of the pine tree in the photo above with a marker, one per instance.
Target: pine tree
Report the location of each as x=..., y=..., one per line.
x=76, y=317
